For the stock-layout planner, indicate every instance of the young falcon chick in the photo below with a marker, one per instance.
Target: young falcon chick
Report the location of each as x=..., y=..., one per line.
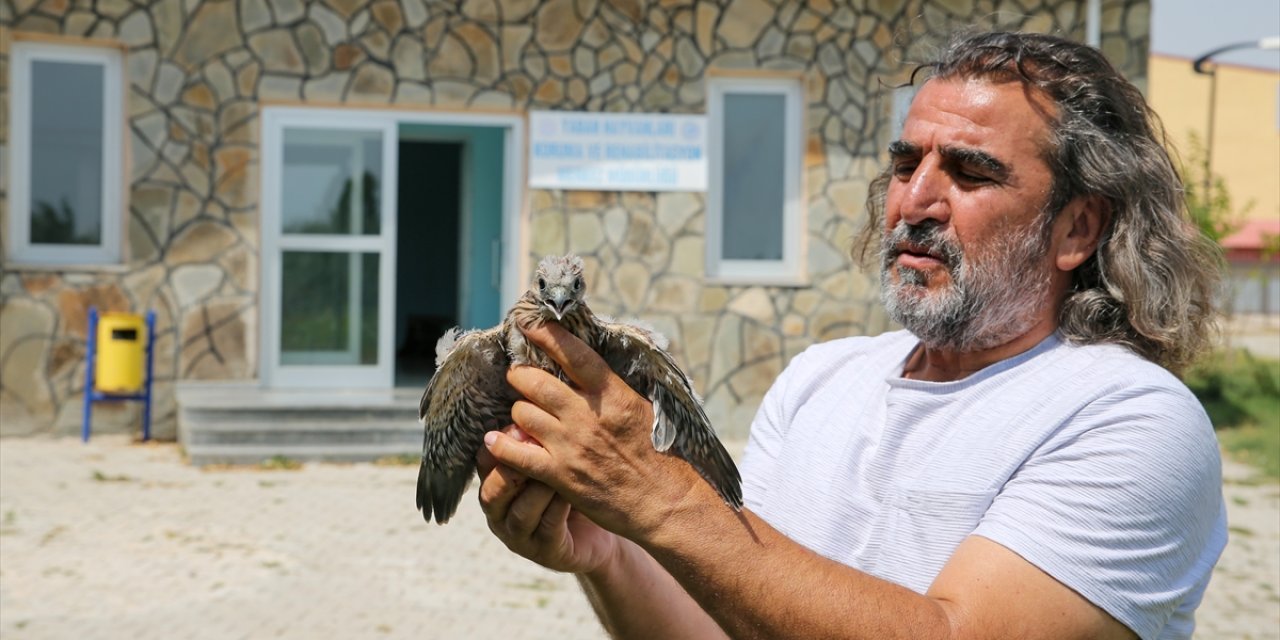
x=469, y=394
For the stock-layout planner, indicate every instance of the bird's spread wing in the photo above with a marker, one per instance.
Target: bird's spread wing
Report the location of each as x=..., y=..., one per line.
x=680, y=424
x=467, y=396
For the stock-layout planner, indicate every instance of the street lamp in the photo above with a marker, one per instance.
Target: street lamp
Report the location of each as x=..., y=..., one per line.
x=1199, y=66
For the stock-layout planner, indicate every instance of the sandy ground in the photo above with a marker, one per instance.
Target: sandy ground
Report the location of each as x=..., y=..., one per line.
x=119, y=540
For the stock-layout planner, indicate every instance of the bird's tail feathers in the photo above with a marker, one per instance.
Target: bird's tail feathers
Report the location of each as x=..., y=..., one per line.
x=440, y=491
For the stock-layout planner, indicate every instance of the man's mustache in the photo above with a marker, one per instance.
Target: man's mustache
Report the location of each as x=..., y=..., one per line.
x=924, y=238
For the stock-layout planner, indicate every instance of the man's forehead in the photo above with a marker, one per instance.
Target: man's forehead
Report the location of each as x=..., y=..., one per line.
x=978, y=112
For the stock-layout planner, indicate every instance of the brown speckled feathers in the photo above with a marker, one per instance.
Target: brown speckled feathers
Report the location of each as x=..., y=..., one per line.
x=469, y=395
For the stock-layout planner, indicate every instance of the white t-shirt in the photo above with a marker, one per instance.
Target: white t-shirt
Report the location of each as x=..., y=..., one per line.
x=1090, y=462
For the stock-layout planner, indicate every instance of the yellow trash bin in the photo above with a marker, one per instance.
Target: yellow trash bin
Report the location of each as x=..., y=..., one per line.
x=121, y=353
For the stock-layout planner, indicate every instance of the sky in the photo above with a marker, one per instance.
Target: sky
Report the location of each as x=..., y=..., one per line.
x=1191, y=28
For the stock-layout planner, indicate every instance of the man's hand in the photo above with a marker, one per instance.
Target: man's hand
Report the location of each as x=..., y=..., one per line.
x=534, y=522
x=596, y=447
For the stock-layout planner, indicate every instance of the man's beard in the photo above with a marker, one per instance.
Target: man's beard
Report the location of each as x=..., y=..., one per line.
x=992, y=297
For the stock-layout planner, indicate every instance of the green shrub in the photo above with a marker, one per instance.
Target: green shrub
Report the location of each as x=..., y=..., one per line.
x=1237, y=388
x=1241, y=394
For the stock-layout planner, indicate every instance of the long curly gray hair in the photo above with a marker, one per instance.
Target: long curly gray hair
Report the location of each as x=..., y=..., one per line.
x=1151, y=284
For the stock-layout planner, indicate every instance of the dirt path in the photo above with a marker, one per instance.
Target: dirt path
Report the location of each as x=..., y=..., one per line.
x=1243, y=600
x=116, y=540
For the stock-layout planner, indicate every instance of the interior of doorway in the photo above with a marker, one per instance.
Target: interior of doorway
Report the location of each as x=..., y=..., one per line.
x=428, y=244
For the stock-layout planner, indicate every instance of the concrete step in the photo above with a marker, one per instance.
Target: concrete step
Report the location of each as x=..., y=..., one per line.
x=245, y=424
x=245, y=454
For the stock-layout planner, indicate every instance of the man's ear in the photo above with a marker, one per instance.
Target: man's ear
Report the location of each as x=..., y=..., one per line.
x=1078, y=229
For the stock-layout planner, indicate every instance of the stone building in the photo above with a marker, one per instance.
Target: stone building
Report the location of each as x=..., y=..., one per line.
x=241, y=184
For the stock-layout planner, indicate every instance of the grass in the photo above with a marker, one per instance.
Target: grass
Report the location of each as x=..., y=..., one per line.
x=399, y=460
x=1241, y=394
x=280, y=463
x=99, y=476
x=1255, y=445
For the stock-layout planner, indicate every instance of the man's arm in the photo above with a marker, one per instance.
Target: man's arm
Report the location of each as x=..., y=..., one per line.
x=633, y=596
x=752, y=580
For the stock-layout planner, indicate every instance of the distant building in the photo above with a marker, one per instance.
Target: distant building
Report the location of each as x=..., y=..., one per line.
x=233, y=164
x=1245, y=153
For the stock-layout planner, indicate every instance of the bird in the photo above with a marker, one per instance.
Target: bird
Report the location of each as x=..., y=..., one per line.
x=468, y=395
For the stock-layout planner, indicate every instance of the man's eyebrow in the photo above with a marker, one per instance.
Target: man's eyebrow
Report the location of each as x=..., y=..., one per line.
x=976, y=158
x=902, y=149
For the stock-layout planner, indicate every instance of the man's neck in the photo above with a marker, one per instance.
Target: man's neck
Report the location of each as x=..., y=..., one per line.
x=945, y=365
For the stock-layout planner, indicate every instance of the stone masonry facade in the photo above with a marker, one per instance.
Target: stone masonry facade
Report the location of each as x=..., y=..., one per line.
x=198, y=71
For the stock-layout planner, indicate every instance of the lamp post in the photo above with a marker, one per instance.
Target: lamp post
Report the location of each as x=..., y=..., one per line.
x=1199, y=66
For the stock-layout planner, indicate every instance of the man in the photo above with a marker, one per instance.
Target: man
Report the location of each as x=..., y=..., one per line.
x=1017, y=464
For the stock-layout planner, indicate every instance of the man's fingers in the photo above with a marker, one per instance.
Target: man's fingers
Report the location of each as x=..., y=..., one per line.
x=541, y=388
x=485, y=461
x=535, y=423
x=498, y=488
x=527, y=510
x=583, y=365
x=528, y=458
x=557, y=513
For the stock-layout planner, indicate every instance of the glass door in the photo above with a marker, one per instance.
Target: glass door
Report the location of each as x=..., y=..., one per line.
x=328, y=249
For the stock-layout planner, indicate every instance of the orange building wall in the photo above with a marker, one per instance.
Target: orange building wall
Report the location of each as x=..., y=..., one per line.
x=1246, y=144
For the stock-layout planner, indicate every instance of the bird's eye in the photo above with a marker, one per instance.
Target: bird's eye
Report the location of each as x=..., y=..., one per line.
x=577, y=284
x=542, y=284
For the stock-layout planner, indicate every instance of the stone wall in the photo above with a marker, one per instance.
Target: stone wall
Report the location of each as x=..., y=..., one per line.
x=198, y=70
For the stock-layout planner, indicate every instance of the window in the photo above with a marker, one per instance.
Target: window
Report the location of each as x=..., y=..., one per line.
x=65, y=154
x=754, y=203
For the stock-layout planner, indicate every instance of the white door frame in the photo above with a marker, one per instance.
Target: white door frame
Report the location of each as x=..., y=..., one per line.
x=274, y=120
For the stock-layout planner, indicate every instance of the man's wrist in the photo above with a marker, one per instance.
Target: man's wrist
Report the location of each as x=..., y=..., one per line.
x=685, y=519
x=613, y=565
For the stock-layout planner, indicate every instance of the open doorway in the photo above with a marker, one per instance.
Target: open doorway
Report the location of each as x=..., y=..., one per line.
x=427, y=254
x=449, y=244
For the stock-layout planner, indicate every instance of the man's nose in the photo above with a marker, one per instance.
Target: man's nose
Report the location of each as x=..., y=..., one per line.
x=926, y=195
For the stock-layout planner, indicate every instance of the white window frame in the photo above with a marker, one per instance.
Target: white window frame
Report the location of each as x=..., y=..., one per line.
x=340, y=124
x=109, y=250
x=513, y=265
x=790, y=270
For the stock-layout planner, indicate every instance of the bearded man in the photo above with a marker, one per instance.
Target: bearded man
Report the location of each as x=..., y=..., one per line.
x=1019, y=462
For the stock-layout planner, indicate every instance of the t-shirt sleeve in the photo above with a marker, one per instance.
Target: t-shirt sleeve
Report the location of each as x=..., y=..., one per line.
x=764, y=444
x=1124, y=506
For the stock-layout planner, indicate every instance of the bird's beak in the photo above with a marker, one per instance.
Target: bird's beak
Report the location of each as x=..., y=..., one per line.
x=558, y=302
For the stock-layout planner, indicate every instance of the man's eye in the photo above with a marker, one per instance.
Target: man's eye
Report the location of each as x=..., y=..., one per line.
x=971, y=178
x=904, y=168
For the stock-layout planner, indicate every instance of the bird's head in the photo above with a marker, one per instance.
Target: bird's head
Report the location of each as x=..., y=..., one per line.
x=560, y=287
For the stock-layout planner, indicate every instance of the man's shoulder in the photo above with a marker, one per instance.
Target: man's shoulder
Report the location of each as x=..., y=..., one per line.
x=844, y=362
x=1114, y=366
x=1116, y=396
x=890, y=345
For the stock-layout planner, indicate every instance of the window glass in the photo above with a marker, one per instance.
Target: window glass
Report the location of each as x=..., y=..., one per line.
x=754, y=139
x=65, y=161
x=755, y=208
x=331, y=182
x=329, y=307
x=66, y=152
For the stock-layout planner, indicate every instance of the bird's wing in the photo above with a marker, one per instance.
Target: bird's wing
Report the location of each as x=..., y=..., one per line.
x=467, y=396
x=680, y=424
